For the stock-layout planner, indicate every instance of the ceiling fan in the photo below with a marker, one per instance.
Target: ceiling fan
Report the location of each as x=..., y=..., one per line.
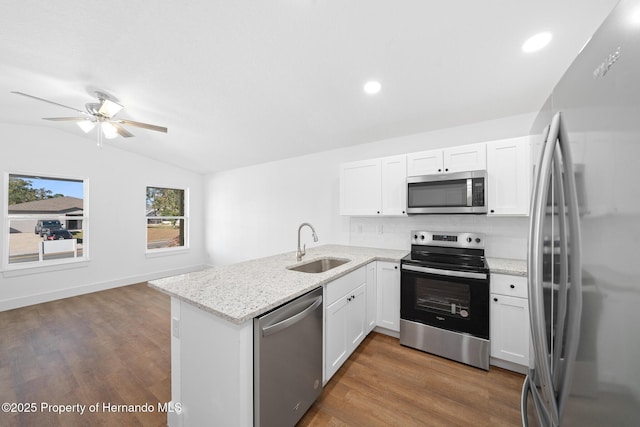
x=100, y=113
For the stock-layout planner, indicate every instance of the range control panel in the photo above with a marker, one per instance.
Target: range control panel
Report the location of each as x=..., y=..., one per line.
x=451, y=239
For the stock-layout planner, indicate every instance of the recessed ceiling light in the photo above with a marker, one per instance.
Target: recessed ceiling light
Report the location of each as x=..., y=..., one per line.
x=372, y=87
x=536, y=42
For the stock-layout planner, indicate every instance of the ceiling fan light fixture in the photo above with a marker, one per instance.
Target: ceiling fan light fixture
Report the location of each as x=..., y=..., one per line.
x=109, y=130
x=109, y=108
x=86, y=125
x=99, y=113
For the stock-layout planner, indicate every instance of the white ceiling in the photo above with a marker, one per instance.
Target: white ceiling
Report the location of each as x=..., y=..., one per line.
x=240, y=82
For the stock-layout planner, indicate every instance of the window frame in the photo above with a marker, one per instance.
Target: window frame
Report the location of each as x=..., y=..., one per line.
x=29, y=267
x=184, y=218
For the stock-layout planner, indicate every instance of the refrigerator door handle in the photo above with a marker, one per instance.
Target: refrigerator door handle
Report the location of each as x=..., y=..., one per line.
x=575, y=270
x=529, y=387
x=534, y=272
x=523, y=402
x=557, y=366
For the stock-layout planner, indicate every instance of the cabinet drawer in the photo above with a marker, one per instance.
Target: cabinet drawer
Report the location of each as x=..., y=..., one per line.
x=345, y=284
x=515, y=286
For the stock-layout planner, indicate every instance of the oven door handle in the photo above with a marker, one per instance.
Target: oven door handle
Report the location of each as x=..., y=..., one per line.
x=429, y=270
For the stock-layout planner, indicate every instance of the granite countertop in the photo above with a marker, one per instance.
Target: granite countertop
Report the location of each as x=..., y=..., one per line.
x=239, y=292
x=513, y=267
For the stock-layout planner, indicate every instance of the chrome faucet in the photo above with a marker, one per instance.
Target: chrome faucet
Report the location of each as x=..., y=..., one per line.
x=302, y=252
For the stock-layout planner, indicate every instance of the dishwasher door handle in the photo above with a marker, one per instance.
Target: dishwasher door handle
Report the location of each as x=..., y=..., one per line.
x=270, y=330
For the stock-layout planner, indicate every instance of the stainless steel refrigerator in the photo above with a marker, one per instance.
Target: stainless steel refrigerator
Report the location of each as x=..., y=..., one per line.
x=584, y=242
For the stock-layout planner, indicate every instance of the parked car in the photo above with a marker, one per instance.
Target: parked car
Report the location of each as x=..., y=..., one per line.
x=58, y=234
x=42, y=226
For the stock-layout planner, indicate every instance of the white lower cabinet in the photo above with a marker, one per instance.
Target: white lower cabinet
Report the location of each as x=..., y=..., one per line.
x=345, y=319
x=357, y=315
x=388, y=287
x=509, y=330
x=372, y=300
x=354, y=305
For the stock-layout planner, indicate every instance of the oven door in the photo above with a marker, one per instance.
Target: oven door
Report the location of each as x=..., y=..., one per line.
x=453, y=300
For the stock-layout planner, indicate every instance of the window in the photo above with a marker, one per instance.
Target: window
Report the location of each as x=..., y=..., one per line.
x=46, y=219
x=166, y=218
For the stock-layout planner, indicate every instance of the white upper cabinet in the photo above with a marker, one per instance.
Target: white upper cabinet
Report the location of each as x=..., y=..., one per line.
x=394, y=185
x=448, y=160
x=424, y=163
x=374, y=187
x=509, y=174
x=360, y=187
x=465, y=158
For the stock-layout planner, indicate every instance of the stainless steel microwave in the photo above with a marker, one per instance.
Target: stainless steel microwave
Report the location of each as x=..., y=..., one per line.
x=461, y=192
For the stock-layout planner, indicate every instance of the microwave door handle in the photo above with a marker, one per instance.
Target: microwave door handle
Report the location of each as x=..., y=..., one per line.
x=575, y=270
x=534, y=269
x=469, y=192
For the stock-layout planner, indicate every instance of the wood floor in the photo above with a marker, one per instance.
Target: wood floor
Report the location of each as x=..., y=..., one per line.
x=386, y=384
x=109, y=347
x=113, y=347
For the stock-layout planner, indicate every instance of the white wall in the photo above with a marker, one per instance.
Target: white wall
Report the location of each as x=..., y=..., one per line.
x=255, y=211
x=117, y=185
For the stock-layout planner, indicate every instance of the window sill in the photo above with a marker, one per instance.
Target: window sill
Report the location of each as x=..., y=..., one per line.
x=24, y=269
x=155, y=253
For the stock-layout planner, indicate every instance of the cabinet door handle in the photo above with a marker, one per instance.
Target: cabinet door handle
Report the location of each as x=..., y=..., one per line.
x=495, y=299
x=395, y=266
x=512, y=286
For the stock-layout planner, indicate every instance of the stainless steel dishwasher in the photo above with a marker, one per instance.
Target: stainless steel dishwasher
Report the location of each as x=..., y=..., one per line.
x=287, y=360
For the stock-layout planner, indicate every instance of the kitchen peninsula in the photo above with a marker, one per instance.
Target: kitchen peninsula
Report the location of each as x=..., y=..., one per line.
x=212, y=314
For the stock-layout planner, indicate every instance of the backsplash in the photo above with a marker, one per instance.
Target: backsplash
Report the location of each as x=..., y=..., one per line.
x=505, y=237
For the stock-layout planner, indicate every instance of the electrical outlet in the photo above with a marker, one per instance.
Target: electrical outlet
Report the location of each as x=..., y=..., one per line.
x=175, y=327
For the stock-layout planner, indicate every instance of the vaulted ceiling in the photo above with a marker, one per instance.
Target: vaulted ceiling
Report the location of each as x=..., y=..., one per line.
x=247, y=81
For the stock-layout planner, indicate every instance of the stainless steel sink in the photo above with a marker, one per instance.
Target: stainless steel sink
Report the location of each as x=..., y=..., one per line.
x=319, y=265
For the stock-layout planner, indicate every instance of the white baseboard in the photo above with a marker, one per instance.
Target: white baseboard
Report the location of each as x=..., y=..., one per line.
x=385, y=331
x=27, y=300
x=505, y=364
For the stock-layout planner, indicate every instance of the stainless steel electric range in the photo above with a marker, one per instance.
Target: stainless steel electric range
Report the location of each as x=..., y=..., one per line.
x=444, y=297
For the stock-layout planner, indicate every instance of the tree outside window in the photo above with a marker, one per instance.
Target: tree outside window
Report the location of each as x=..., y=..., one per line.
x=166, y=219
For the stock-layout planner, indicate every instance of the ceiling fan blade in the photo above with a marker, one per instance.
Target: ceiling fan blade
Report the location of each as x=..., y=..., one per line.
x=50, y=102
x=121, y=131
x=142, y=125
x=66, y=119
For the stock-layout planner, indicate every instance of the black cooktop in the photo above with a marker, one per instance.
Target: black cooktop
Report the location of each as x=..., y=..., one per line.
x=448, y=251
